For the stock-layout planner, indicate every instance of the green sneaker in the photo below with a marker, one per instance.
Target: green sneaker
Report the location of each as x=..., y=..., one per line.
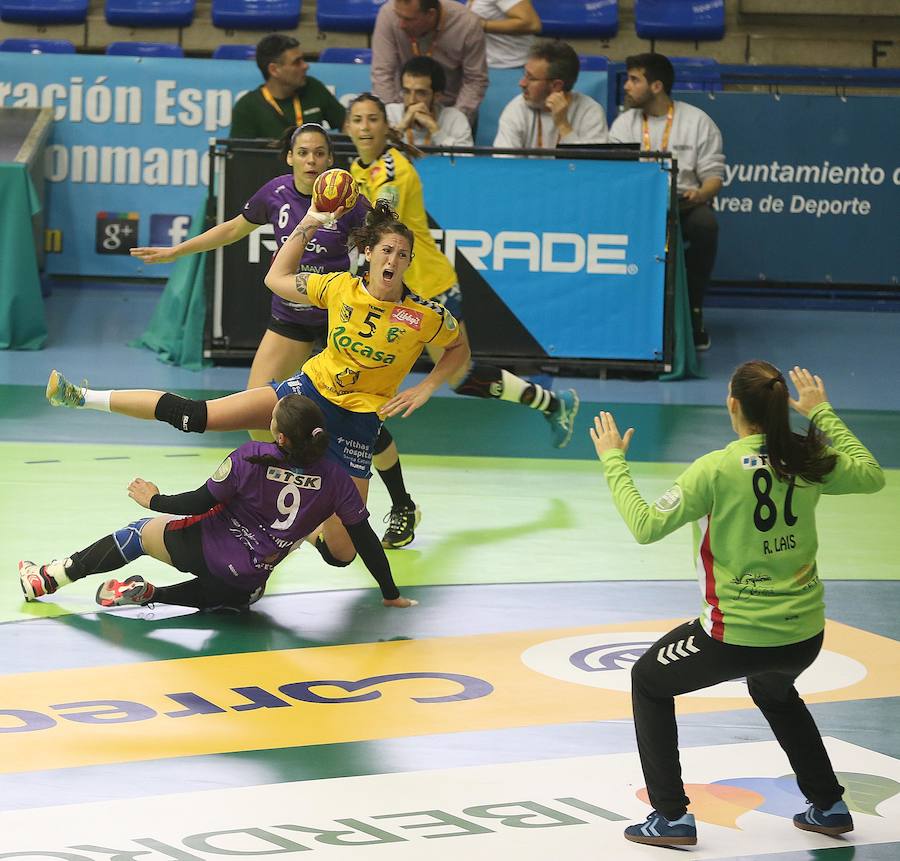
x=62, y=393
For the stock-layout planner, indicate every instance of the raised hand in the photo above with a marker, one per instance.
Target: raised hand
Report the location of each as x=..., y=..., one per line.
x=810, y=390
x=605, y=434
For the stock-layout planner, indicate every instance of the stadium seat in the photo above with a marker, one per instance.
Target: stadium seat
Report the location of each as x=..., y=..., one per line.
x=144, y=49
x=43, y=11
x=696, y=73
x=680, y=19
x=348, y=16
x=38, y=46
x=150, y=13
x=360, y=56
x=586, y=19
x=256, y=14
x=235, y=52
x=593, y=63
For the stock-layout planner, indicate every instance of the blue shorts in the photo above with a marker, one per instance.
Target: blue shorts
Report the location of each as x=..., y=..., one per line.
x=351, y=436
x=452, y=300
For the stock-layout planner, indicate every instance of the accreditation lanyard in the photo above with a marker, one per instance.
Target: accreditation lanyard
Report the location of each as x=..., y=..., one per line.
x=645, y=130
x=298, y=110
x=415, y=42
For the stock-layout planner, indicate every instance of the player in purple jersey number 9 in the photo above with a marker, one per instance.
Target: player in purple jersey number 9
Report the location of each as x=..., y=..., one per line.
x=231, y=532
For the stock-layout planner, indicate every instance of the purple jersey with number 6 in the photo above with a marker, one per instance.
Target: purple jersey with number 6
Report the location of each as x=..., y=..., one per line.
x=280, y=204
x=264, y=510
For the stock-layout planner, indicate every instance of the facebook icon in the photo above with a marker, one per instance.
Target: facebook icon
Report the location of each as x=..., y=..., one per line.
x=166, y=230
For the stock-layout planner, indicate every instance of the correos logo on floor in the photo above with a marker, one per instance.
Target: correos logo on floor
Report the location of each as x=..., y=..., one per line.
x=604, y=660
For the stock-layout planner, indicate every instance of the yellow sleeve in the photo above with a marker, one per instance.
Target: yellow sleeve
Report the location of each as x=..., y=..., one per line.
x=317, y=287
x=447, y=330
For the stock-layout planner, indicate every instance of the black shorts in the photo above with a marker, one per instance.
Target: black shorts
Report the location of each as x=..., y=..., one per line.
x=183, y=540
x=296, y=331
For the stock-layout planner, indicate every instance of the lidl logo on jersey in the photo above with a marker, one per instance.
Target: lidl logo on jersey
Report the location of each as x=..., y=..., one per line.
x=285, y=476
x=168, y=230
x=594, y=253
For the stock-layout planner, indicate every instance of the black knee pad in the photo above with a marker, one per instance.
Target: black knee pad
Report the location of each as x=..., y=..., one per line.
x=382, y=441
x=322, y=547
x=182, y=413
x=483, y=381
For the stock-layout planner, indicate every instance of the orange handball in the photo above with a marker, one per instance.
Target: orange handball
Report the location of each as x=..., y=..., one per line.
x=333, y=189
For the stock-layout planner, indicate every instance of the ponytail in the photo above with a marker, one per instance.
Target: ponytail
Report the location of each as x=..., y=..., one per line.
x=303, y=424
x=380, y=220
x=762, y=392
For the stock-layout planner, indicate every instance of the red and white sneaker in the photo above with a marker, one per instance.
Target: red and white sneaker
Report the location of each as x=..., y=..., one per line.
x=134, y=591
x=35, y=581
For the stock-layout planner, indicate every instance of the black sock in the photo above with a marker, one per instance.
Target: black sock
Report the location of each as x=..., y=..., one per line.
x=548, y=398
x=102, y=556
x=393, y=481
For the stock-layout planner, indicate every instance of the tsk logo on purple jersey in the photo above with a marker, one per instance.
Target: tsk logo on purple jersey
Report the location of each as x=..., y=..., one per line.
x=285, y=476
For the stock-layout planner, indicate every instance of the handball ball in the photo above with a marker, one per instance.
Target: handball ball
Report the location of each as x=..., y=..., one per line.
x=333, y=189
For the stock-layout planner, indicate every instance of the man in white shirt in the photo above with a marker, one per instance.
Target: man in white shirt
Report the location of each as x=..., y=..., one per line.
x=509, y=27
x=421, y=118
x=549, y=112
x=657, y=122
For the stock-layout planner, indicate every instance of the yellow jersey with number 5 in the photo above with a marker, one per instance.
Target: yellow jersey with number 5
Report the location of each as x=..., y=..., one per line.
x=393, y=178
x=372, y=344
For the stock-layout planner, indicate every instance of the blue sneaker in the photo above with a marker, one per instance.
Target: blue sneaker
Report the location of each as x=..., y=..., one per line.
x=562, y=419
x=836, y=820
x=659, y=831
x=62, y=393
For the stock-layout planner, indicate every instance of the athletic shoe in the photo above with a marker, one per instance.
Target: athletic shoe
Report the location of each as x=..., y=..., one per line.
x=836, y=820
x=133, y=591
x=402, y=522
x=562, y=419
x=35, y=581
x=62, y=393
x=659, y=831
x=702, y=341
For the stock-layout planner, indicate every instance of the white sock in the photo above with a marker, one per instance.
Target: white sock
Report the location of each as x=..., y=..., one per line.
x=57, y=570
x=96, y=399
x=512, y=387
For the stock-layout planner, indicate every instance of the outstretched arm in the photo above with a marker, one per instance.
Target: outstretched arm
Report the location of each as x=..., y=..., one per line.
x=147, y=494
x=222, y=234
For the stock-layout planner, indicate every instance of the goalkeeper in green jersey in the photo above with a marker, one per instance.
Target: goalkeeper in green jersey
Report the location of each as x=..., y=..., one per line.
x=752, y=506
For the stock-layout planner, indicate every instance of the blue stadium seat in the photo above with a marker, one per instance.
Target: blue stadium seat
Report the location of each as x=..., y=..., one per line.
x=693, y=20
x=256, y=14
x=593, y=63
x=38, y=46
x=150, y=13
x=43, y=11
x=144, y=49
x=360, y=56
x=348, y=16
x=587, y=19
x=697, y=73
x=235, y=52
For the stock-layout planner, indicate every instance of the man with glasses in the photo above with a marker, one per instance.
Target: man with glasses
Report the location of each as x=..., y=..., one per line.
x=421, y=119
x=444, y=30
x=549, y=111
x=287, y=98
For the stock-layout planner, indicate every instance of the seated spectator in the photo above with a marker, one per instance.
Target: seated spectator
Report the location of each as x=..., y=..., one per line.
x=658, y=123
x=442, y=29
x=420, y=118
x=287, y=98
x=549, y=112
x=509, y=27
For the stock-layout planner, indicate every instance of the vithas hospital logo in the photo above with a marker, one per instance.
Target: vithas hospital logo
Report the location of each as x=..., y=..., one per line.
x=593, y=253
x=604, y=660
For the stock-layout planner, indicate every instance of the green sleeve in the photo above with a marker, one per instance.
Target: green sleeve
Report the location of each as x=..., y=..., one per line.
x=689, y=499
x=856, y=470
x=242, y=118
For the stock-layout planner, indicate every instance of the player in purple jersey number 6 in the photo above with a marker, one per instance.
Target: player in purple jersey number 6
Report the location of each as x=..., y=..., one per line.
x=762, y=617
x=231, y=532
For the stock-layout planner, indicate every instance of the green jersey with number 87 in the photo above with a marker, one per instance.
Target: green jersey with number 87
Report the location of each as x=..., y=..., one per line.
x=755, y=540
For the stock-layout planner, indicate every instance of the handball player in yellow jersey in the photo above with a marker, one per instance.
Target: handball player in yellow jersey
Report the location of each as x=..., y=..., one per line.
x=384, y=172
x=377, y=329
